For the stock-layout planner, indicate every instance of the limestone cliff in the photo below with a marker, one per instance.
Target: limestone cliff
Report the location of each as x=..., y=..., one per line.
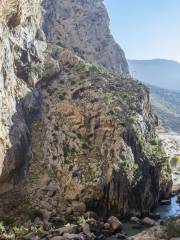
x=70, y=132
x=83, y=27
x=20, y=50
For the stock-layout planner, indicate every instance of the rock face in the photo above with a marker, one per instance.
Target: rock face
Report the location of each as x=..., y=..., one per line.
x=72, y=134
x=170, y=230
x=20, y=50
x=83, y=27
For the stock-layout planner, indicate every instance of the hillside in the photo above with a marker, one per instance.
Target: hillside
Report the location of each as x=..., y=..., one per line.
x=160, y=76
x=158, y=72
x=166, y=104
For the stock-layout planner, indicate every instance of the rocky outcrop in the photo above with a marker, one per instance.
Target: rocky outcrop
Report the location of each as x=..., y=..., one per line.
x=73, y=136
x=20, y=51
x=92, y=141
x=170, y=230
x=83, y=27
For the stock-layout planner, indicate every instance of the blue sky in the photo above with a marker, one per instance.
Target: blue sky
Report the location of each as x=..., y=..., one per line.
x=146, y=29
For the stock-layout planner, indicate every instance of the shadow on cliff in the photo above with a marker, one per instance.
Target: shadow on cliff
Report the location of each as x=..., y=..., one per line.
x=28, y=110
x=18, y=156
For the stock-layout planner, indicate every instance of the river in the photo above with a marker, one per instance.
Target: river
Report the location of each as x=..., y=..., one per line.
x=165, y=211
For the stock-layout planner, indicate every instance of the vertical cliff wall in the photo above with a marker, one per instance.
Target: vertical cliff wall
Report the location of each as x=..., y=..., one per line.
x=20, y=50
x=83, y=27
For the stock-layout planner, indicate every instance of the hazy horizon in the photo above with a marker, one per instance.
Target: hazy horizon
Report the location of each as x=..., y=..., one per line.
x=154, y=59
x=158, y=72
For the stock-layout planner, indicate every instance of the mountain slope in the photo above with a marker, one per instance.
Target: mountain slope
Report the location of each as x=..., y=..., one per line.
x=166, y=104
x=158, y=72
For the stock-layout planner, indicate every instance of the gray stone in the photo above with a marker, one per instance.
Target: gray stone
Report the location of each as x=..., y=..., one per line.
x=107, y=226
x=148, y=221
x=115, y=224
x=79, y=207
x=120, y=236
x=57, y=238
x=69, y=236
x=135, y=219
x=87, y=231
x=67, y=229
x=31, y=236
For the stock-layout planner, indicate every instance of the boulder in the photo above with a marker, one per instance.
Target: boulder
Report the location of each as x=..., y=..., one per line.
x=57, y=238
x=100, y=237
x=87, y=231
x=176, y=238
x=67, y=229
x=107, y=226
x=176, y=188
x=30, y=236
x=79, y=207
x=148, y=221
x=121, y=236
x=115, y=224
x=68, y=236
x=69, y=210
x=135, y=219
x=46, y=215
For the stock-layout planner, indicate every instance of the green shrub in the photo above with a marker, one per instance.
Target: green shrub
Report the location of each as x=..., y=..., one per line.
x=38, y=69
x=81, y=220
x=2, y=228
x=132, y=120
x=37, y=229
x=130, y=164
x=20, y=230
x=115, y=167
x=175, y=161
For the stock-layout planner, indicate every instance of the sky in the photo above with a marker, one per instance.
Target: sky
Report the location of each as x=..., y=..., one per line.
x=146, y=29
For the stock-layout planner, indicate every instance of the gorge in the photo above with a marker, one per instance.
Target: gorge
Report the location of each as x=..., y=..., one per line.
x=77, y=133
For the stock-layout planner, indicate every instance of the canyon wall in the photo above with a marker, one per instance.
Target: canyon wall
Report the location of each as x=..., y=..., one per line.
x=20, y=49
x=71, y=133
x=83, y=27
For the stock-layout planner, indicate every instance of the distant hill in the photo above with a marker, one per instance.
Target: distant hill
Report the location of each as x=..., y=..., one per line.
x=157, y=72
x=166, y=104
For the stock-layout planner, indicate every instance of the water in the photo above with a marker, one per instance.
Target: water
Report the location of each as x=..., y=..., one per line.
x=165, y=211
x=128, y=228
x=172, y=210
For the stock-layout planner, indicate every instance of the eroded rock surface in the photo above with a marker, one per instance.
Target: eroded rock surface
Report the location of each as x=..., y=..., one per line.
x=169, y=231
x=72, y=135
x=20, y=52
x=83, y=27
